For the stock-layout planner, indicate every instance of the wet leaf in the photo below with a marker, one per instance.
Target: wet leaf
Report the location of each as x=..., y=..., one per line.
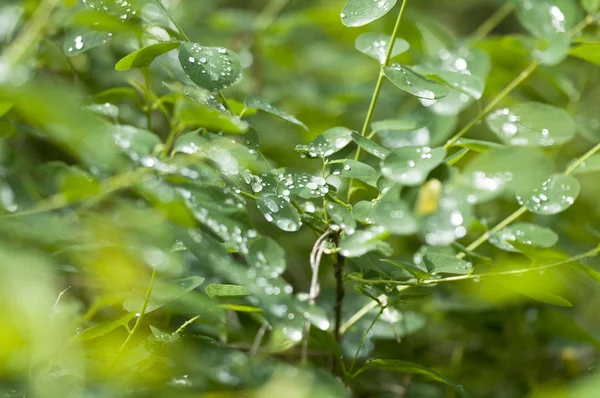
x=80, y=40
x=342, y=217
x=411, y=165
x=415, y=84
x=192, y=114
x=328, y=143
x=267, y=255
x=362, y=211
x=144, y=56
x=524, y=233
x=352, y=169
x=589, y=52
x=217, y=290
x=553, y=196
x=477, y=145
x=212, y=68
x=279, y=211
x=393, y=213
x=376, y=45
x=369, y=146
x=397, y=124
x=362, y=242
x=416, y=272
x=532, y=124
x=446, y=264
x=252, y=102
x=360, y=12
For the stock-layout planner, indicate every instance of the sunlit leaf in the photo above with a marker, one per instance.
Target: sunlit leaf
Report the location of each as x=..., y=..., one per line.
x=445, y=264
x=553, y=196
x=362, y=242
x=212, y=68
x=217, y=290
x=80, y=40
x=327, y=143
x=144, y=56
x=394, y=214
x=352, y=169
x=342, y=217
x=369, y=146
x=414, y=83
x=411, y=165
x=279, y=211
x=376, y=46
x=360, y=12
x=589, y=52
x=525, y=233
x=532, y=124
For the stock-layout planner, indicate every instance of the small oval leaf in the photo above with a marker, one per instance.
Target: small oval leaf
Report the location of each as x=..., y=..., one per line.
x=144, y=56
x=414, y=83
x=279, y=211
x=555, y=195
x=524, y=233
x=376, y=45
x=361, y=12
x=212, y=68
x=411, y=165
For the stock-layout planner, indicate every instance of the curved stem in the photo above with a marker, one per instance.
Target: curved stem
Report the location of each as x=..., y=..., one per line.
x=492, y=22
x=378, y=86
x=181, y=32
x=140, y=318
x=511, y=86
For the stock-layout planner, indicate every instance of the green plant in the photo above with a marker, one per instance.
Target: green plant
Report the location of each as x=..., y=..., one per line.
x=160, y=237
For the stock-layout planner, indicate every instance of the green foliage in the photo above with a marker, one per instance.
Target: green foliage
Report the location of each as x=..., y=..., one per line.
x=227, y=198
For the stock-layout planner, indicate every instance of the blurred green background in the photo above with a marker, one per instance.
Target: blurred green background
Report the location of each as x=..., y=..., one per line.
x=85, y=221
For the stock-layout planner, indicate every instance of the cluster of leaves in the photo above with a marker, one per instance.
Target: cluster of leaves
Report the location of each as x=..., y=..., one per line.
x=149, y=214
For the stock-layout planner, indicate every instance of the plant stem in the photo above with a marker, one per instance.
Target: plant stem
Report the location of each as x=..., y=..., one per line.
x=268, y=15
x=511, y=86
x=138, y=321
x=186, y=324
x=181, y=32
x=30, y=33
x=362, y=341
x=224, y=101
x=590, y=253
x=339, y=294
x=581, y=160
x=492, y=22
x=378, y=86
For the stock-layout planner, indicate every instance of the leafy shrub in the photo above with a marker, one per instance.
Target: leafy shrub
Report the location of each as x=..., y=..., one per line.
x=163, y=235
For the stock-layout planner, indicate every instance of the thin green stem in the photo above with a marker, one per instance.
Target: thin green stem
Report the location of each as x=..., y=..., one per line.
x=186, y=324
x=492, y=22
x=269, y=14
x=31, y=33
x=507, y=90
x=140, y=318
x=378, y=86
x=362, y=341
x=579, y=257
x=181, y=32
x=224, y=101
x=581, y=160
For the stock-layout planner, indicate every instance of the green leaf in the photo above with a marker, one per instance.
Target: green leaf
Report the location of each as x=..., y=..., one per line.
x=342, y=217
x=362, y=242
x=369, y=146
x=115, y=7
x=417, y=272
x=393, y=213
x=446, y=264
x=252, y=102
x=532, y=124
x=217, y=290
x=477, y=145
x=278, y=210
x=104, y=328
x=349, y=168
x=591, y=165
x=555, y=195
x=5, y=106
x=525, y=233
x=411, y=165
x=412, y=368
x=163, y=293
x=193, y=114
x=212, y=68
x=376, y=45
x=415, y=84
x=397, y=125
x=589, y=52
x=134, y=141
x=362, y=211
x=524, y=166
x=266, y=254
x=469, y=84
x=361, y=12
x=80, y=40
x=591, y=6
x=328, y=143
x=144, y=56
